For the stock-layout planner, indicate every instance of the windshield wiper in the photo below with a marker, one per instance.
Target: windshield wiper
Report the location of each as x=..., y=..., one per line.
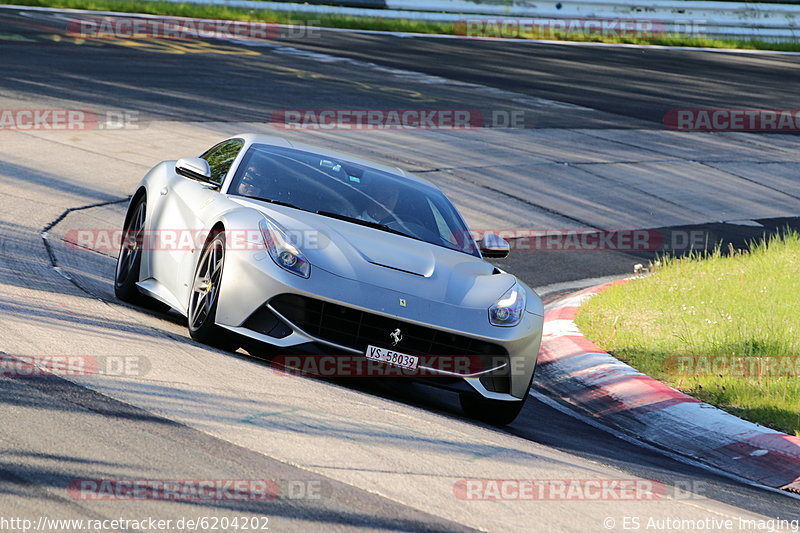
x=369, y=224
x=277, y=202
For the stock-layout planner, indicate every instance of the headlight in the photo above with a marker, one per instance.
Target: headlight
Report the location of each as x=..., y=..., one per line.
x=509, y=308
x=285, y=254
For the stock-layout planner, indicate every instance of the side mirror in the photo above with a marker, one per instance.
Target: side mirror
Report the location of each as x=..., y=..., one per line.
x=195, y=168
x=494, y=246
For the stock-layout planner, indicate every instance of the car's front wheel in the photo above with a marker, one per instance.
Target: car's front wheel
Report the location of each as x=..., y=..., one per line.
x=495, y=412
x=203, y=302
x=129, y=260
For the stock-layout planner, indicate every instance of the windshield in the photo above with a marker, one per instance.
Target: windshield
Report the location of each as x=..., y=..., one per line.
x=352, y=192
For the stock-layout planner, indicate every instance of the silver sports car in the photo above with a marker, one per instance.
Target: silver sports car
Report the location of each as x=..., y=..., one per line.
x=315, y=253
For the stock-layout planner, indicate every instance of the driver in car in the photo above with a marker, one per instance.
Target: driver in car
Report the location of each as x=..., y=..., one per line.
x=382, y=205
x=252, y=183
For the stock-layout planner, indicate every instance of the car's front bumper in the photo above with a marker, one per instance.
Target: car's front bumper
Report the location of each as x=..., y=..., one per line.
x=251, y=281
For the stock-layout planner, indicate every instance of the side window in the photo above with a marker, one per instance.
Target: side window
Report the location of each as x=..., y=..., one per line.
x=220, y=158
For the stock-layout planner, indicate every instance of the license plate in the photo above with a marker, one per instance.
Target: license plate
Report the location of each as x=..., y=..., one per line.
x=392, y=358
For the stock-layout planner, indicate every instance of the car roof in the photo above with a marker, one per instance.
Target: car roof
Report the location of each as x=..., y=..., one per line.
x=274, y=140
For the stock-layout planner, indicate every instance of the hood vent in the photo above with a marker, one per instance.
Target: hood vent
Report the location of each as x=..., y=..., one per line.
x=398, y=269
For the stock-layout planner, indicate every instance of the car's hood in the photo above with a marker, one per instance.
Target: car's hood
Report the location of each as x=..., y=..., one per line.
x=391, y=261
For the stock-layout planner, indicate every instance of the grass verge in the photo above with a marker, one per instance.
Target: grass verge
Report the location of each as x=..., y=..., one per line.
x=724, y=328
x=231, y=13
x=370, y=23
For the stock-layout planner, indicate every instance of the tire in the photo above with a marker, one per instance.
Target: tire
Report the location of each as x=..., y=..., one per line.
x=202, y=312
x=129, y=260
x=494, y=412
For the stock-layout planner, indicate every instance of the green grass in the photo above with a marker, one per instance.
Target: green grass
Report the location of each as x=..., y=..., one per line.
x=229, y=13
x=744, y=304
x=367, y=23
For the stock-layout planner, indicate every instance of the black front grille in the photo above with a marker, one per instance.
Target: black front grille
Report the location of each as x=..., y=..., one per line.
x=357, y=329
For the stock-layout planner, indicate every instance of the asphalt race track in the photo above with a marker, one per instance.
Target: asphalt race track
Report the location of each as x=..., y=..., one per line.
x=593, y=153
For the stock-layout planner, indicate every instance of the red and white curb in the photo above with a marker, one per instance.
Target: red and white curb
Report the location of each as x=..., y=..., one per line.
x=573, y=369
